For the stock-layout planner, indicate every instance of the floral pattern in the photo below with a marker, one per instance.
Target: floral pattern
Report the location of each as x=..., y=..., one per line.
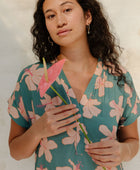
x=101, y=84
x=69, y=91
x=101, y=168
x=45, y=148
x=32, y=76
x=90, y=109
x=128, y=90
x=104, y=108
x=110, y=135
x=75, y=167
x=32, y=116
x=74, y=136
x=41, y=168
x=118, y=110
x=135, y=109
x=49, y=102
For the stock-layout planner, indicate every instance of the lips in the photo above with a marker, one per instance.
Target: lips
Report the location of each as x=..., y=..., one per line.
x=63, y=32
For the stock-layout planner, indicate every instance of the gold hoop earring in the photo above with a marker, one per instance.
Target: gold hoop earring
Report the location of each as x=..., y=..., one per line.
x=49, y=39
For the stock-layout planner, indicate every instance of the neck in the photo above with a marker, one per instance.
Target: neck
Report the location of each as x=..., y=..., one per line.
x=78, y=57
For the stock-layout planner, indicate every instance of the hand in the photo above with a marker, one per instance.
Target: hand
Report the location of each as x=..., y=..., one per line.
x=108, y=153
x=56, y=121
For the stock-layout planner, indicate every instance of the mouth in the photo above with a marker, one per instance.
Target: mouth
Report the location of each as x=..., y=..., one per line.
x=63, y=32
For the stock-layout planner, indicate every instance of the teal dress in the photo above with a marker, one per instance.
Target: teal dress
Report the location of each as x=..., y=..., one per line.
x=104, y=108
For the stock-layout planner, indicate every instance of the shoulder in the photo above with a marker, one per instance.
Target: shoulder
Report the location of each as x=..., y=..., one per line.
x=30, y=71
x=110, y=70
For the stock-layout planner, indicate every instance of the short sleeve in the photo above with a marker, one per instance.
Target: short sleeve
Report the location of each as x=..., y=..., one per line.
x=16, y=104
x=132, y=103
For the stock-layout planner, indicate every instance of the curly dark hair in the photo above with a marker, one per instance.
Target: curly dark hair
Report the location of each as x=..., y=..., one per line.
x=102, y=42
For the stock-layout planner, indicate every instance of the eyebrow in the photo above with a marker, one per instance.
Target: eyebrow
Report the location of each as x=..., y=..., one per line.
x=66, y=2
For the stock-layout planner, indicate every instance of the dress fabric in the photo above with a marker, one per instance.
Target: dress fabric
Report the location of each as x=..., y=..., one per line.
x=104, y=108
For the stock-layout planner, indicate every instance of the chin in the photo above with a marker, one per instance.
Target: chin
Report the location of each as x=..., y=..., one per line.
x=65, y=43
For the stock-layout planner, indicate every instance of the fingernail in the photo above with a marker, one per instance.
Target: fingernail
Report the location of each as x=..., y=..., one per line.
x=79, y=115
x=77, y=123
x=86, y=146
x=93, y=160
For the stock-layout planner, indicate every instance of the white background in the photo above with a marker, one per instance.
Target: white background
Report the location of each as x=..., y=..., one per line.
x=16, y=53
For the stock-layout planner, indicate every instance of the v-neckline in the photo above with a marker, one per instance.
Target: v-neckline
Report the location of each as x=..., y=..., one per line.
x=87, y=90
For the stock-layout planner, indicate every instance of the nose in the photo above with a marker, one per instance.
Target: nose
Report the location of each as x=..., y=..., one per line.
x=61, y=21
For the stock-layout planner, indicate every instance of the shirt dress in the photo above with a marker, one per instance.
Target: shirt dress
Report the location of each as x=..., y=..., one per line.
x=104, y=108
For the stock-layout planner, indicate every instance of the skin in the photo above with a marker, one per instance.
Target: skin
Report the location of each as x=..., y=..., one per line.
x=23, y=142
x=111, y=153
x=66, y=23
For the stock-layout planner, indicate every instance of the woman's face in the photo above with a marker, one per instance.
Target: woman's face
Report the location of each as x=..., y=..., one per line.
x=65, y=21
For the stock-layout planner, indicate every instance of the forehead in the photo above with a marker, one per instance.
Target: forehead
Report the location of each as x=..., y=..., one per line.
x=50, y=4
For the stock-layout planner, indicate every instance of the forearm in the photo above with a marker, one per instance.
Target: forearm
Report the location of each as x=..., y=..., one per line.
x=23, y=146
x=23, y=142
x=130, y=148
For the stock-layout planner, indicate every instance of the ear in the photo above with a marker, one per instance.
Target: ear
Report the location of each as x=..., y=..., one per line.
x=88, y=17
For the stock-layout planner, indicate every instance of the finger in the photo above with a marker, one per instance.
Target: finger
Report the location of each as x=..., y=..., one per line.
x=66, y=114
x=65, y=128
x=105, y=158
x=102, y=144
x=63, y=108
x=102, y=151
x=106, y=164
x=68, y=121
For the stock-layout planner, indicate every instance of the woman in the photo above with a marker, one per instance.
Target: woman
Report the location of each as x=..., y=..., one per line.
x=99, y=91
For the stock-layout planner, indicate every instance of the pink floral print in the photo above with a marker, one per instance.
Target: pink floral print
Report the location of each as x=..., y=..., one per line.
x=135, y=108
x=49, y=102
x=32, y=115
x=75, y=167
x=33, y=76
x=22, y=109
x=63, y=168
x=90, y=106
x=101, y=168
x=14, y=111
x=99, y=69
x=101, y=84
x=11, y=109
x=74, y=136
x=128, y=90
x=110, y=135
x=45, y=147
x=17, y=86
x=118, y=109
x=68, y=91
x=90, y=109
x=41, y=168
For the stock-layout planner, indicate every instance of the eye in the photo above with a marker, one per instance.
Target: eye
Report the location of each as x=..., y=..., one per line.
x=68, y=10
x=51, y=16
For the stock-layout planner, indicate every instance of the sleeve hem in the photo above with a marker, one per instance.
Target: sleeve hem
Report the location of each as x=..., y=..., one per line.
x=19, y=122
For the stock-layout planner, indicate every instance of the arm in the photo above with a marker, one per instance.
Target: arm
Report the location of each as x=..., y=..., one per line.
x=23, y=142
x=129, y=138
x=111, y=153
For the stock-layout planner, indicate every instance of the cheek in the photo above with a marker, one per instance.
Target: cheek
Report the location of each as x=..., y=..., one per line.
x=79, y=21
x=50, y=28
x=52, y=31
